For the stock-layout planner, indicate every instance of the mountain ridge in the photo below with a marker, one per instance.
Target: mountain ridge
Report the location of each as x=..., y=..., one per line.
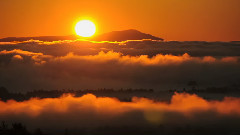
x=130, y=34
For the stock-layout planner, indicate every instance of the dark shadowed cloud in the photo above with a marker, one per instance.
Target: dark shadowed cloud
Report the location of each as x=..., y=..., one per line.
x=32, y=65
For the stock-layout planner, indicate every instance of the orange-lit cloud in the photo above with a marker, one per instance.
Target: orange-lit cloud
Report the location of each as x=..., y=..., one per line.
x=157, y=60
x=18, y=51
x=132, y=48
x=18, y=57
x=109, y=110
x=113, y=70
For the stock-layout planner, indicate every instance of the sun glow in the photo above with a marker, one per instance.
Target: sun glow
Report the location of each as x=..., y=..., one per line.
x=85, y=28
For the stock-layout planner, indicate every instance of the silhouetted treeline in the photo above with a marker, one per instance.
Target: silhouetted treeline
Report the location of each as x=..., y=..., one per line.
x=5, y=94
x=17, y=129
x=223, y=90
x=14, y=129
x=193, y=87
x=20, y=129
x=121, y=94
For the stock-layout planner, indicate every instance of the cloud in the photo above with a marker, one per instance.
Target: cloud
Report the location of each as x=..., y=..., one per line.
x=158, y=60
x=90, y=111
x=18, y=51
x=113, y=70
x=29, y=65
x=18, y=57
x=131, y=47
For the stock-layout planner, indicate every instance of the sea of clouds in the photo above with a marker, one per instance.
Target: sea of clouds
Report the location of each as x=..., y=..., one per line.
x=82, y=64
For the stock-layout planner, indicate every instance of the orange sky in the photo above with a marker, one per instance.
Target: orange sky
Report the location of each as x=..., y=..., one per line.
x=211, y=20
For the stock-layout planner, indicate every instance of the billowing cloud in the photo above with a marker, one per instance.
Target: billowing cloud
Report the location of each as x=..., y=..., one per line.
x=30, y=65
x=113, y=70
x=90, y=111
x=131, y=47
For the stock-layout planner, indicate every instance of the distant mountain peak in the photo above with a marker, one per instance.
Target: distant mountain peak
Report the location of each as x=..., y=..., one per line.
x=129, y=30
x=130, y=34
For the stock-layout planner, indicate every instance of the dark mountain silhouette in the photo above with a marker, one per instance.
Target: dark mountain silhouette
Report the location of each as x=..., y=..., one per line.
x=41, y=38
x=125, y=35
x=111, y=36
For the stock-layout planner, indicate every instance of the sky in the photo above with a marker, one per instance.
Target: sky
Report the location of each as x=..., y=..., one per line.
x=202, y=20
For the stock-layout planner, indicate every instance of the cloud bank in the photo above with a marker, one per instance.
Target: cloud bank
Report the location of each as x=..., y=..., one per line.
x=130, y=47
x=90, y=111
x=29, y=70
x=30, y=65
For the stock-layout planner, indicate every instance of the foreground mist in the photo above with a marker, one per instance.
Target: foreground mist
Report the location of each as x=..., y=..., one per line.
x=186, y=113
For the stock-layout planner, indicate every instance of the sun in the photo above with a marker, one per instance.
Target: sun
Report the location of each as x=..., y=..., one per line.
x=85, y=28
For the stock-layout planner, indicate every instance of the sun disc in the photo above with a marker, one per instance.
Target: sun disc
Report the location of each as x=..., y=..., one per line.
x=85, y=28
